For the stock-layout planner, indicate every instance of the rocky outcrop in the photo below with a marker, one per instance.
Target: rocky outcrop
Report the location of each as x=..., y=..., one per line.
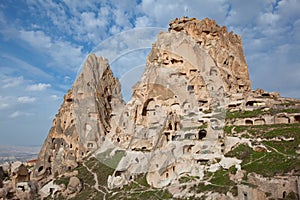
x=190, y=72
x=172, y=128
x=225, y=48
x=82, y=122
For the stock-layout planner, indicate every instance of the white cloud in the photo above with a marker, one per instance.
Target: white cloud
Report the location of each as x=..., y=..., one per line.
x=37, y=39
x=55, y=97
x=38, y=87
x=4, y=102
x=26, y=99
x=24, y=67
x=9, y=82
x=143, y=21
x=19, y=114
x=63, y=53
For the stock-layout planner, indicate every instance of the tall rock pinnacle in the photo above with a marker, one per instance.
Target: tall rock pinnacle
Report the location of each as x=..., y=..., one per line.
x=83, y=120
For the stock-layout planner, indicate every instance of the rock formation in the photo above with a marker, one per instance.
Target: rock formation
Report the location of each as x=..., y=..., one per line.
x=82, y=122
x=173, y=125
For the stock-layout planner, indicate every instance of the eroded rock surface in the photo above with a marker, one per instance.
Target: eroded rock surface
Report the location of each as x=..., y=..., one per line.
x=82, y=122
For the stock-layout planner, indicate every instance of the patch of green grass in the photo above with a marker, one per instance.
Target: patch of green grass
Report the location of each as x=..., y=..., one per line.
x=62, y=180
x=259, y=112
x=265, y=163
x=185, y=179
x=244, y=114
x=220, y=182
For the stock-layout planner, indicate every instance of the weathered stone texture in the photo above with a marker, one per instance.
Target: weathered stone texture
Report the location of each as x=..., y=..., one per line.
x=82, y=121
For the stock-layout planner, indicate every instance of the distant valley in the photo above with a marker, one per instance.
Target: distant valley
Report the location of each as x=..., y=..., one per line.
x=20, y=153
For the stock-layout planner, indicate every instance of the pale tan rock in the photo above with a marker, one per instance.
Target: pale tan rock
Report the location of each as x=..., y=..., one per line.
x=82, y=122
x=74, y=186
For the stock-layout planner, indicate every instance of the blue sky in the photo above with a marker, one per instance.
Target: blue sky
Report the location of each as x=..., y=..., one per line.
x=44, y=42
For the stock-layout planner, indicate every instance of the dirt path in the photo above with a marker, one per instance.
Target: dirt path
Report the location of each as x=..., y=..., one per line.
x=96, y=185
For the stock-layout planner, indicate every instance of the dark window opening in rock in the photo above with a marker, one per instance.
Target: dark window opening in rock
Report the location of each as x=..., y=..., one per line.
x=144, y=112
x=170, y=126
x=297, y=118
x=248, y=122
x=190, y=88
x=176, y=125
x=173, y=60
x=265, y=95
x=62, y=144
x=21, y=187
x=241, y=87
x=118, y=173
x=167, y=136
x=69, y=168
x=232, y=106
x=284, y=194
x=72, y=121
x=173, y=168
x=124, y=124
x=40, y=168
x=118, y=139
x=49, y=159
x=69, y=100
x=90, y=145
x=245, y=196
x=202, y=102
x=173, y=137
x=82, y=153
x=153, y=113
x=144, y=148
x=109, y=98
x=251, y=103
x=202, y=134
x=175, y=97
x=130, y=178
x=167, y=175
x=65, y=122
x=71, y=146
x=193, y=71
